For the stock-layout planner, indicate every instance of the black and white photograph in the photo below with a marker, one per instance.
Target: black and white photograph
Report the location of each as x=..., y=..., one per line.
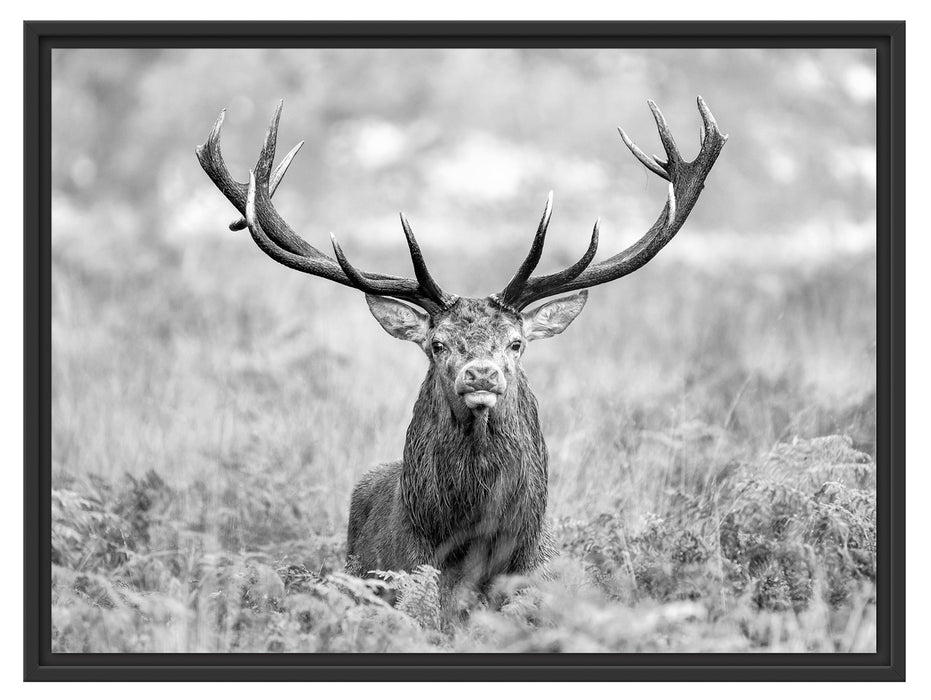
x=464, y=350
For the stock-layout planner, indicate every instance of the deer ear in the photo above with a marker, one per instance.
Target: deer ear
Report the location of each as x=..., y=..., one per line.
x=400, y=320
x=553, y=317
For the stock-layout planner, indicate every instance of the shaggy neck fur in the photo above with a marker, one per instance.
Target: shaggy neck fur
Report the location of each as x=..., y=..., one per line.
x=475, y=477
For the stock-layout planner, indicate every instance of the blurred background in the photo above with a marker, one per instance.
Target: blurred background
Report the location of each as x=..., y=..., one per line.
x=262, y=394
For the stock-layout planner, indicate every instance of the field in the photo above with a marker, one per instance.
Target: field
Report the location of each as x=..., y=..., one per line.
x=710, y=419
x=207, y=437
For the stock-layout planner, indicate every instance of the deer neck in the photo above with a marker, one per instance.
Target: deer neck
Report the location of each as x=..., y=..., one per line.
x=458, y=468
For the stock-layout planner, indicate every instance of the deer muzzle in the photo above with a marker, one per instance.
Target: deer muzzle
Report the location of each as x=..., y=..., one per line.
x=480, y=383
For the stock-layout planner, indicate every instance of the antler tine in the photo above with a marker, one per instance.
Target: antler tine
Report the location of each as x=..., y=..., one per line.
x=276, y=239
x=651, y=163
x=709, y=124
x=686, y=181
x=417, y=294
x=670, y=204
x=514, y=287
x=240, y=223
x=359, y=281
x=424, y=278
x=574, y=270
x=211, y=160
x=665, y=135
x=263, y=166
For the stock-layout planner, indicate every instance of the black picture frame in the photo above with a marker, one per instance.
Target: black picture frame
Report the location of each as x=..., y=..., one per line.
x=887, y=38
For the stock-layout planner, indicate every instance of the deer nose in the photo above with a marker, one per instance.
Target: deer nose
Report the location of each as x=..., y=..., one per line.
x=481, y=376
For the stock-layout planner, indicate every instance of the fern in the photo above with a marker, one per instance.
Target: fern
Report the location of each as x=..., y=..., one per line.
x=417, y=593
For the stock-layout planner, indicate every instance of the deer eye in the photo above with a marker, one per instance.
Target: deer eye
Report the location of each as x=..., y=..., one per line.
x=437, y=347
x=516, y=346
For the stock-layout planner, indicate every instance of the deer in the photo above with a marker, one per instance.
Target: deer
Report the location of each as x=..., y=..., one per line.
x=469, y=495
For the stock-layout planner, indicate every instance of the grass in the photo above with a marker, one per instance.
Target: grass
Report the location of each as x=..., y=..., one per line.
x=711, y=435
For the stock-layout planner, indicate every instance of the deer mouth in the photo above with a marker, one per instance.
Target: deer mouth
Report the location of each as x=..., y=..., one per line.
x=481, y=399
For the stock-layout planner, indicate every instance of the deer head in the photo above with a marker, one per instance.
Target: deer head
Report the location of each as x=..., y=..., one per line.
x=474, y=345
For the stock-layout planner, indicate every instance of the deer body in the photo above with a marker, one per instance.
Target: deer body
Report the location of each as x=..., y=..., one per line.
x=469, y=495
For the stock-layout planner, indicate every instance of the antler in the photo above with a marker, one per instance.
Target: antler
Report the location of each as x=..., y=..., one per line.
x=277, y=240
x=686, y=180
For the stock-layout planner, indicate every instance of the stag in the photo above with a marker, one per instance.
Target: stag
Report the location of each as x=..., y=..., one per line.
x=469, y=495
